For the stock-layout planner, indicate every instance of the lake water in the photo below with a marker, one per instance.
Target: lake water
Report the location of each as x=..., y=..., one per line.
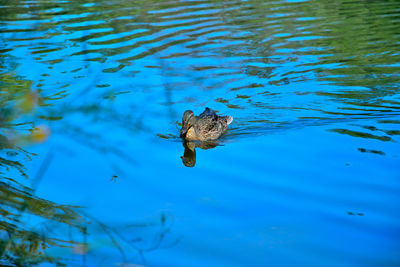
x=308, y=173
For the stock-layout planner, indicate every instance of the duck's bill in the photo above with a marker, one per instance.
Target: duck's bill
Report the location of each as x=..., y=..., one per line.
x=183, y=131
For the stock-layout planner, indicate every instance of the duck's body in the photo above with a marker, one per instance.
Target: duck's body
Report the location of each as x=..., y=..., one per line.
x=207, y=126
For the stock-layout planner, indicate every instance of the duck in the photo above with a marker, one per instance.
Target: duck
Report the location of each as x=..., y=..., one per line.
x=205, y=127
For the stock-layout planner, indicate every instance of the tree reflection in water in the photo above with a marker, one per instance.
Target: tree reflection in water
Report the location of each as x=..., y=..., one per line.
x=19, y=244
x=33, y=228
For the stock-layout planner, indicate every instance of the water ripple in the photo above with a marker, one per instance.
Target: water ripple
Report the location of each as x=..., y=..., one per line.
x=278, y=67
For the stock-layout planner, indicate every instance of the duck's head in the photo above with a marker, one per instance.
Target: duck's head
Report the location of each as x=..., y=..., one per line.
x=188, y=120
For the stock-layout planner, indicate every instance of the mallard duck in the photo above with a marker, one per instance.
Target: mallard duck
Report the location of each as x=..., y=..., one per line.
x=206, y=126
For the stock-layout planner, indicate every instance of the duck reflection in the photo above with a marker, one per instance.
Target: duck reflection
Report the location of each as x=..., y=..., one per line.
x=189, y=155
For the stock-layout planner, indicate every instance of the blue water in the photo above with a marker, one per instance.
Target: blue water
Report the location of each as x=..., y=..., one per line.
x=307, y=174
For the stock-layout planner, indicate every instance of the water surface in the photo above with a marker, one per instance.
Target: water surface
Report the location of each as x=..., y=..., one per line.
x=307, y=174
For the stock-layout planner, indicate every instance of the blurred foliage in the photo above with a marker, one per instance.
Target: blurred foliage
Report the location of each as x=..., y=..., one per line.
x=18, y=245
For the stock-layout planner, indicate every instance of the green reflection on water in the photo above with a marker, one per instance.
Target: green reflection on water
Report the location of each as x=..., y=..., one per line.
x=19, y=244
x=23, y=245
